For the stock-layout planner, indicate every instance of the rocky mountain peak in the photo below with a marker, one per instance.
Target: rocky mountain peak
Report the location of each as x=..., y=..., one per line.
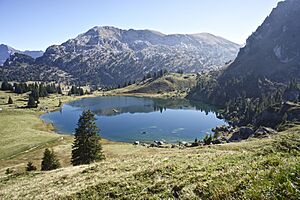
x=110, y=56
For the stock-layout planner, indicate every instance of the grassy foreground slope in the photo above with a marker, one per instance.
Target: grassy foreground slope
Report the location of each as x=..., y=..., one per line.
x=253, y=169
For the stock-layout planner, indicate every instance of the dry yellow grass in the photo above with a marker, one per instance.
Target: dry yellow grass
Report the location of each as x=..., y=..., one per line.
x=250, y=169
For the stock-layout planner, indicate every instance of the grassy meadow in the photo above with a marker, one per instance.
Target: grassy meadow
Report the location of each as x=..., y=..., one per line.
x=253, y=169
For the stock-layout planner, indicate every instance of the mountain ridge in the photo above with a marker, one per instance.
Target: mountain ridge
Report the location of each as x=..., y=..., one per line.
x=110, y=56
x=273, y=50
x=267, y=64
x=6, y=51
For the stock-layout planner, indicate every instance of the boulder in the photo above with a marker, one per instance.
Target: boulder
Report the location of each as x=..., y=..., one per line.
x=159, y=143
x=264, y=132
x=183, y=143
x=242, y=133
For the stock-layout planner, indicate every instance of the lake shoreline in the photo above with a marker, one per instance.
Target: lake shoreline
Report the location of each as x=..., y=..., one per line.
x=154, y=125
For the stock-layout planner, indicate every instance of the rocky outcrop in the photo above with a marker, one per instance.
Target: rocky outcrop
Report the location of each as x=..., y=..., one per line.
x=262, y=132
x=242, y=133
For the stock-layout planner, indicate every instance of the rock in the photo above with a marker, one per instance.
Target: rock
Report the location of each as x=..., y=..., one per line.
x=264, y=132
x=159, y=142
x=153, y=145
x=218, y=141
x=136, y=143
x=242, y=133
x=183, y=143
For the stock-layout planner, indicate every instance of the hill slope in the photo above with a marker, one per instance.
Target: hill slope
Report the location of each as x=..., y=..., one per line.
x=168, y=85
x=256, y=169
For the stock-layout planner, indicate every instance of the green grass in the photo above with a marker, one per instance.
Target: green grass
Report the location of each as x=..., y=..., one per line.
x=171, y=85
x=22, y=130
x=255, y=169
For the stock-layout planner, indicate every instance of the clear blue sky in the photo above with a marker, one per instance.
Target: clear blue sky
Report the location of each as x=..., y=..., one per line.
x=37, y=24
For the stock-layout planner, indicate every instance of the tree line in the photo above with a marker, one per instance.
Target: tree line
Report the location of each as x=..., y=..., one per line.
x=241, y=99
x=35, y=90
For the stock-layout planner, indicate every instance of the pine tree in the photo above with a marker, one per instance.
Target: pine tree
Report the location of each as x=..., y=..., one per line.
x=35, y=94
x=49, y=161
x=10, y=101
x=59, y=90
x=207, y=139
x=31, y=102
x=30, y=167
x=86, y=147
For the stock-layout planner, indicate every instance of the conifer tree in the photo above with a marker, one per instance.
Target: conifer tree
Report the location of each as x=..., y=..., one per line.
x=86, y=147
x=31, y=102
x=59, y=90
x=6, y=86
x=35, y=94
x=30, y=167
x=10, y=101
x=49, y=161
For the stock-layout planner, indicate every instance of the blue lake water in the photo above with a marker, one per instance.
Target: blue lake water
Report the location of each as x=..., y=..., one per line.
x=128, y=119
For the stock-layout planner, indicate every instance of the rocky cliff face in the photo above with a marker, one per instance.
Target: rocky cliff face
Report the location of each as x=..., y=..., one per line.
x=273, y=50
x=269, y=60
x=109, y=55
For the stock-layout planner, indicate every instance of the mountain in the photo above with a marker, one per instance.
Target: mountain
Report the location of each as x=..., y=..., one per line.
x=268, y=62
x=21, y=67
x=7, y=51
x=273, y=50
x=111, y=56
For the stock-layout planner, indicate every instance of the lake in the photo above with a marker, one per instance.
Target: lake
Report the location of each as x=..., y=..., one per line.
x=128, y=119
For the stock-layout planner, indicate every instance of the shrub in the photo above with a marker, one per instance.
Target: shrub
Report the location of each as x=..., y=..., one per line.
x=30, y=167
